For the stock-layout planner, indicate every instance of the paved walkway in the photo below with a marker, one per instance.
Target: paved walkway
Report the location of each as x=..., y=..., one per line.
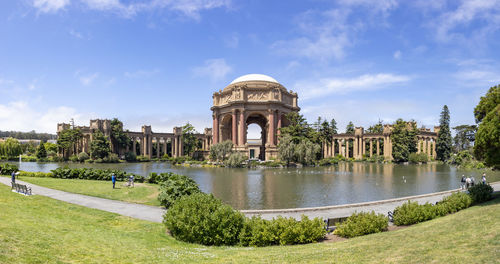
x=155, y=214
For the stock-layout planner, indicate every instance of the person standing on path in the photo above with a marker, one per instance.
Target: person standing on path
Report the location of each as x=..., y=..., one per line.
x=467, y=183
x=472, y=181
x=483, y=180
x=113, y=179
x=463, y=182
x=13, y=175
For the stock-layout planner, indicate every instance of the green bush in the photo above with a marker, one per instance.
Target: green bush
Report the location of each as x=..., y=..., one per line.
x=93, y=174
x=281, y=231
x=418, y=158
x=173, y=186
x=203, y=219
x=111, y=158
x=328, y=161
x=480, y=193
x=73, y=158
x=235, y=160
x=83, y=156
x=455, y=202
x=130, y=156
x=7, y=168
x=411, y=213
x=362, y=223
x=142, y=159
x=35, y=174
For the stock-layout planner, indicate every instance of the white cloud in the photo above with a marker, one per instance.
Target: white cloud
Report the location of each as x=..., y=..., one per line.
x=484, y=12
x=88, y=79
x=232, y=41
x=76, y=34
x=50, y=6
x=22, y=116
x=327, y=34
x=312, y=89
x=141, y=73
x=215, y=69
x=397, y=54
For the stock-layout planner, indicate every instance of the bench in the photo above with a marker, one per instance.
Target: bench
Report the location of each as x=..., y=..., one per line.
x=390, y=215
x=21, y=188
x=331, y=223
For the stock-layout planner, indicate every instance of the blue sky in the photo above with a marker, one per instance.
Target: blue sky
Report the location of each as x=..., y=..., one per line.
x=158, y=62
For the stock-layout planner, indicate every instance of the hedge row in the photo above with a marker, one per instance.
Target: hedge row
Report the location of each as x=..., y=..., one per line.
x=7, y=169
x=362, y=223
x=93, y=174
x=201, y=218
x=411, y=212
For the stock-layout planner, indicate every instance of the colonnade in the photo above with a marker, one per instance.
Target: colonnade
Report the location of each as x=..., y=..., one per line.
x=427, y=145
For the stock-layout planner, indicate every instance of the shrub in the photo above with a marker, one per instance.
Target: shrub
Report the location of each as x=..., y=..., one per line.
x=93, y=174
x=7, y=169
x=328, y=161
x=73, y=158
x=418, y=158
x=456, y=202
x=142, y=158
x=362, y=223
x=112, y=158
x=411, y=213
x=235, y=160
x=480, y=193
x=130, y=156
x=281, y=231
x=35, y=174
x=83, y=156
x=173, y=186
x=202, y=218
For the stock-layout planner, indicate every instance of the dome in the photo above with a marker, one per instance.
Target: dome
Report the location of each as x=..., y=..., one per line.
x=254, y=77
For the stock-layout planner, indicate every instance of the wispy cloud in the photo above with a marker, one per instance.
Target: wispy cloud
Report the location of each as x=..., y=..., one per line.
x=141, y=73
x=76, y=34
x=87, y=79
x=312, y=89
x=190, y=8
x=215, y=69
x=50, y=6
x=232, y=41
x=397, y=54
x=335, y=32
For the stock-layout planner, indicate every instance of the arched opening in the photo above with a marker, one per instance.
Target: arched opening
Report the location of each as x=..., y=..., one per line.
x=256, y=136
x=226, y=128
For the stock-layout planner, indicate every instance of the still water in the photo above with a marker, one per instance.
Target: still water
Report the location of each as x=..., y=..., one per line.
x=305, y=187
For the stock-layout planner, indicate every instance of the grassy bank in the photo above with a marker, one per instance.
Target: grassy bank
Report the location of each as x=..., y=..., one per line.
x=142, y=193
x=38, y=229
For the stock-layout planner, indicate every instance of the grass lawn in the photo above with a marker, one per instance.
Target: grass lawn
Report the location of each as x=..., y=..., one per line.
x=37, y=229
x=143, y=193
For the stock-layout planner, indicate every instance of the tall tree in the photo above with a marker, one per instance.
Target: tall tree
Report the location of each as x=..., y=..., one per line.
x=298, y=128
x=41, y=152
x=399, y=137
x=350, y=128
x=444, y=141
x=99, y=146
x=464, y=137
x=67, y=140
x=190, y=142
x=118, y=137
x=333, y=126
x=10, y=148
x=286, y=149
x=487, y=113
x=377, y=128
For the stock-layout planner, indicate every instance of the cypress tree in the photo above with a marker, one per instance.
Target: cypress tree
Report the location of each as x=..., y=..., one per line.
x=444, y=140
x=41, y=152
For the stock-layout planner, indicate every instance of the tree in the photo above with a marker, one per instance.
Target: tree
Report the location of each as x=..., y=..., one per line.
x=190, y=142
x=220, y=151
x=333, y=126
x=41, y=152
x=487, y=145
x=444, y=141
x=10, y=148
x=350, y=128
x=298, y=128
x=487, y=103
x=286, y=149
x=99, y=146
x=377, y=128
x=306, y=152
x=465, y=137
x=119, y=138
x=404, y=140
x=67, y=140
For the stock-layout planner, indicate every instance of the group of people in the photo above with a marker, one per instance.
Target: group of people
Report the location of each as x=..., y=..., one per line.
x=467, y=182
x=129, y=183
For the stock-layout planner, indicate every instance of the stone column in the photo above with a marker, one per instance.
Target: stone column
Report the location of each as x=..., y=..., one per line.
x=386, y=147
x=172, y=147
x=271, y=128
x=355, y=149
x=150, y=146
x=429, y=143
x=434, y=154
x=378, y=146
x=157, y=148
x=215, y=129
x=347, y=148
x=278, y=132
x=164, y=146
x=181, y=146
x=341, y=152
x=242, y=134
x=234, y=129
x=332, y=152
x=371, y=147
x=176, y=148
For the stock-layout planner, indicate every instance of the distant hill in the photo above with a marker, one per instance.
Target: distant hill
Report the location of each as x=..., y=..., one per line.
x=27, y=135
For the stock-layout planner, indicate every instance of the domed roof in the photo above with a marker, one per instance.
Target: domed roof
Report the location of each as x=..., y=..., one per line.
x=254, y=77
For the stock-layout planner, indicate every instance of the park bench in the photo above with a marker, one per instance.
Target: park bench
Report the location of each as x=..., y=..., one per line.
x=21, y=188
x=390, y=215
x=331, y=223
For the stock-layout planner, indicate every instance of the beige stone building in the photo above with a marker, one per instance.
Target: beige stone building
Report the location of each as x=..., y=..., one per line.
x=252, y=99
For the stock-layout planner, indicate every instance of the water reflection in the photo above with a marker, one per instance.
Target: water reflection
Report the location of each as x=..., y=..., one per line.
x=304, y=187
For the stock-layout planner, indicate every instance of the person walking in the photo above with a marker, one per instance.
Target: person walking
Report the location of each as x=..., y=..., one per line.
x=467, y=183
x=113, y=179
x=472, y=181
x=462, y=182
x=13, y=176
x=483, y=180
x=132, y=180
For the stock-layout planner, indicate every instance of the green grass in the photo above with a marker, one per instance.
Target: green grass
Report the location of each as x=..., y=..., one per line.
x=37, y=229
x=142, y=193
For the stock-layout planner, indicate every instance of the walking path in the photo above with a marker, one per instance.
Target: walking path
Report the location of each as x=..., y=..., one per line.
x=155, y=214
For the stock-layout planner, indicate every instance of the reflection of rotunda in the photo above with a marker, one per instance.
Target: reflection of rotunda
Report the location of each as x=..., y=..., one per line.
x=252, y=99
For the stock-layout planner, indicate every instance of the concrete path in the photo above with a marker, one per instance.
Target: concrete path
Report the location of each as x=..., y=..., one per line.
x=155, y=214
